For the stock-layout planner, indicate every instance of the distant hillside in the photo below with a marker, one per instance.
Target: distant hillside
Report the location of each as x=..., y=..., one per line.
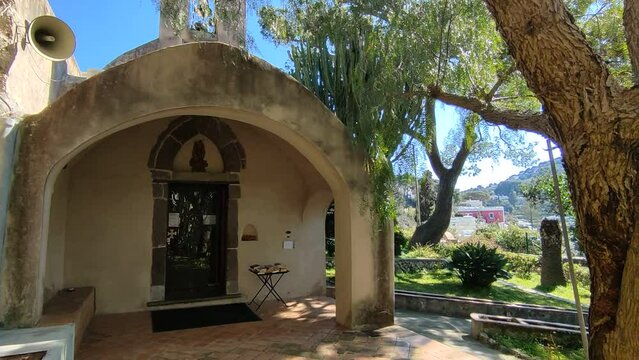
x=506, y=193
x=536, y=171
x=505, y=187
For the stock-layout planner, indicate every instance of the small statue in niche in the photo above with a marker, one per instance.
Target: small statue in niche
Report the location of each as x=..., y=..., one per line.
x=197, y=162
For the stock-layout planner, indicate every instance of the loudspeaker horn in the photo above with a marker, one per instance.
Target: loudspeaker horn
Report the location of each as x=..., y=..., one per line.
x=51, y=37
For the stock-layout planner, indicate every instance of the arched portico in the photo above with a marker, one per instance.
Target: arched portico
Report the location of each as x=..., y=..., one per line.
x=209, y=79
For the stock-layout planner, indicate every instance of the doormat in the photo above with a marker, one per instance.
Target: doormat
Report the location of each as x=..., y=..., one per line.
x=180, y=319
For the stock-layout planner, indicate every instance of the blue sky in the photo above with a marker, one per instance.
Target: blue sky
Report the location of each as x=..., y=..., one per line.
x=106, y=29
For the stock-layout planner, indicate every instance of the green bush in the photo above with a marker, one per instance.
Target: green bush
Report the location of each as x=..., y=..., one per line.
x=515, y=239
x=477, y=265
x=422, y=251
x=489, y=232
x=582, y=274
x=445, y=250
x=521, y=264
x=400, y=243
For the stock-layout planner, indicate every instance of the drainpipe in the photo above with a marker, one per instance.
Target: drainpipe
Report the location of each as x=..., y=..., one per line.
x=418, y=211
x=571, y=267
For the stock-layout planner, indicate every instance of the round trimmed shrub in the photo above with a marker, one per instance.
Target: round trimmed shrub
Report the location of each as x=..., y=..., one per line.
x=477, y=265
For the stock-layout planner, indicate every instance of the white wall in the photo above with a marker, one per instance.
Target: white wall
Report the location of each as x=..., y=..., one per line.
x=108, y=227
x=29, y=77
x=276, y=187
x=109, y=220
x=54, y=272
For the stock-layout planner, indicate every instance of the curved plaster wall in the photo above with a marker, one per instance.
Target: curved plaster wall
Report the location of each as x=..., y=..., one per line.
x=106, y=240
x=194, y=79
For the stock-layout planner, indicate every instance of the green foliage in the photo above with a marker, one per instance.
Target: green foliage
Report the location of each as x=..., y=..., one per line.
x=427, y=195
x=329, y=230
x=541, y=346
x=476, y=195
x=515, y=239
x=490, y=232
x=445, y=250
x=602, y=23
x=203, y=15
x=400, y=243
x=422, y=251
x=533, y=281
x=330, y=246
x=541, y=191
x=439, y=251
x=345, y=56
x=477, y=265
x=521, y=264
x=582, y=274
x=446, y=283
x=370, y=61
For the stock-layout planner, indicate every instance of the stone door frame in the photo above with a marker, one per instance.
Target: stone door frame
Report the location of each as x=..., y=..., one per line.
x=160, y=164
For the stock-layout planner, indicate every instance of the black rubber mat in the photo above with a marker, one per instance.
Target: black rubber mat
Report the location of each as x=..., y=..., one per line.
x=179, y=319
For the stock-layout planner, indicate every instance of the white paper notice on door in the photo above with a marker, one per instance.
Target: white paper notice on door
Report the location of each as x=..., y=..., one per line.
x=174, y=219
x=209, y=219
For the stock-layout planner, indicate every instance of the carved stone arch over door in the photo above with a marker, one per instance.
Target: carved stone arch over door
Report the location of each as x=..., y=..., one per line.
x=160, y=164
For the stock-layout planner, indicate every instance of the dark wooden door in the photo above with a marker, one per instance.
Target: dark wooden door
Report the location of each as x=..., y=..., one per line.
x=196, y=242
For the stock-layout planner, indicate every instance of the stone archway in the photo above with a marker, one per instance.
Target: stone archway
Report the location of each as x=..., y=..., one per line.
x=160, y=164
x=209, y=79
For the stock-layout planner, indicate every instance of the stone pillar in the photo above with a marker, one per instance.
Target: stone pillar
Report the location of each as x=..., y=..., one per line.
x=364, y=261
x=158, y=236
x=552, y=273
x=230, y=26
x=173, y=22
x=232, y=285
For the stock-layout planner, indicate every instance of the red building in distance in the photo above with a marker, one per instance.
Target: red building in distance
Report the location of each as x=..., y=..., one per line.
x=489, y=214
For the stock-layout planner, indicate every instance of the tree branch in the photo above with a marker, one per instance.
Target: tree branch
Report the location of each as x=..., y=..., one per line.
x=631, y=28
x=403, y=150
x=460, y=158
x=500, y=80
x=558, y=63
x=432, y=149
x=533, y=122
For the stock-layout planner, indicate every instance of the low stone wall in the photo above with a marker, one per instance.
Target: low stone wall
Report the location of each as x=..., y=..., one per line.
x=462, y=307
x=407, y=265
x=417, y=265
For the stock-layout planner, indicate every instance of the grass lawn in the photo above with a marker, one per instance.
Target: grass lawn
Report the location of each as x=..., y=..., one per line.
x=533, y=281
x=446, y=283
x=542, y=346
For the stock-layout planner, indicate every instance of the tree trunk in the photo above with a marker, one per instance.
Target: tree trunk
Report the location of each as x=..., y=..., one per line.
x=596, y=123
x=431, y=232
x=552, y=272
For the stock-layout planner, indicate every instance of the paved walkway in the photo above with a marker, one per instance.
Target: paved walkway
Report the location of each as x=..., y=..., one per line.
x=450, y=331
x=305, y=330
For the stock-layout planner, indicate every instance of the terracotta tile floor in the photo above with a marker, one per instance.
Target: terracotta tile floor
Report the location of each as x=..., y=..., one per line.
x=304, y=330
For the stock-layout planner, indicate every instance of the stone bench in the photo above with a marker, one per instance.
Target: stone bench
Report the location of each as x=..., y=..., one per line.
x=76, y=306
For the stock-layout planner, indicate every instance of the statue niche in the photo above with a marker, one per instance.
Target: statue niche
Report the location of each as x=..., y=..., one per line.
x=197, y=162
